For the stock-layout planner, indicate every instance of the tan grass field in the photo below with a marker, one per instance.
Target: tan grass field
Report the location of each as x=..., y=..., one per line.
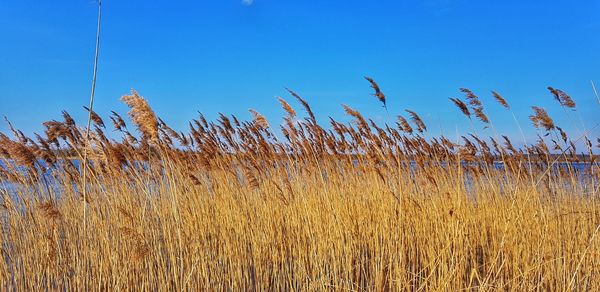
x=244, y=205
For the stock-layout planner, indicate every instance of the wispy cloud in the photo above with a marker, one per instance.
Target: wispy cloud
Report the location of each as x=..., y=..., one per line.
x=247, y=2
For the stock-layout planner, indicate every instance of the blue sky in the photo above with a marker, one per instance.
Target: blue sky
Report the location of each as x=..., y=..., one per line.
x=231, y=55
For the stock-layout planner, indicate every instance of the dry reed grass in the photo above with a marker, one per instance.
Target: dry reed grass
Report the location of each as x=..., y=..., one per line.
x=231, y=206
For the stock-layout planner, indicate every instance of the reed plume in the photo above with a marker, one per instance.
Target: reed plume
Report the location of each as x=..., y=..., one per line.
x=287, y=107
x=481, y=115
x=142, y=115
x=417, y=121
x=304, y=104
x=117, y=121
x=501, y=100
x=50, y=211
x=360, y=120
x=471, y=97
x=404, y=125
x=563, y=134
x=68, y=120
x=259, y=119
x=462, y=106
x=475, y=103
x=562, y=97
x=541, y=119
x=95, y=118
x=19, y=152
x=380, y=96
x=15, y=132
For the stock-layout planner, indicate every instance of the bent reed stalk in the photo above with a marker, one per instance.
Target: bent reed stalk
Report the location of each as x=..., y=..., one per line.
x=91, y=114
x=234, y=204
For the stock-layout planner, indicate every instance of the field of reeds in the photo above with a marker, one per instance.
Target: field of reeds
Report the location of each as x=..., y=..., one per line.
x=308, y=205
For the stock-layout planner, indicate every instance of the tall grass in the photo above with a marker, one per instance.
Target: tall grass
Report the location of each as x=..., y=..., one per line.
x=231, y=204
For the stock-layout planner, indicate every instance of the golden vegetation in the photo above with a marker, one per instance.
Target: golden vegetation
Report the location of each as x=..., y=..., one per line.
x=358, y=206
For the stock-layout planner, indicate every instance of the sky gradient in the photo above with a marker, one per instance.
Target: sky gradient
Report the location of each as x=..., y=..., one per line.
x=229, y=56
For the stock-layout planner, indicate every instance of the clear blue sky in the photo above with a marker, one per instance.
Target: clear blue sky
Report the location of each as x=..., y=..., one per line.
x=229, y=55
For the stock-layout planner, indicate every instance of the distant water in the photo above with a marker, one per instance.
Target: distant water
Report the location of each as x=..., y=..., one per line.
x=581, y=170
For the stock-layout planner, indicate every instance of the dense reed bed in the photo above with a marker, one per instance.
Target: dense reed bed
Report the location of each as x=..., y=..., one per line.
x=242, y=205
